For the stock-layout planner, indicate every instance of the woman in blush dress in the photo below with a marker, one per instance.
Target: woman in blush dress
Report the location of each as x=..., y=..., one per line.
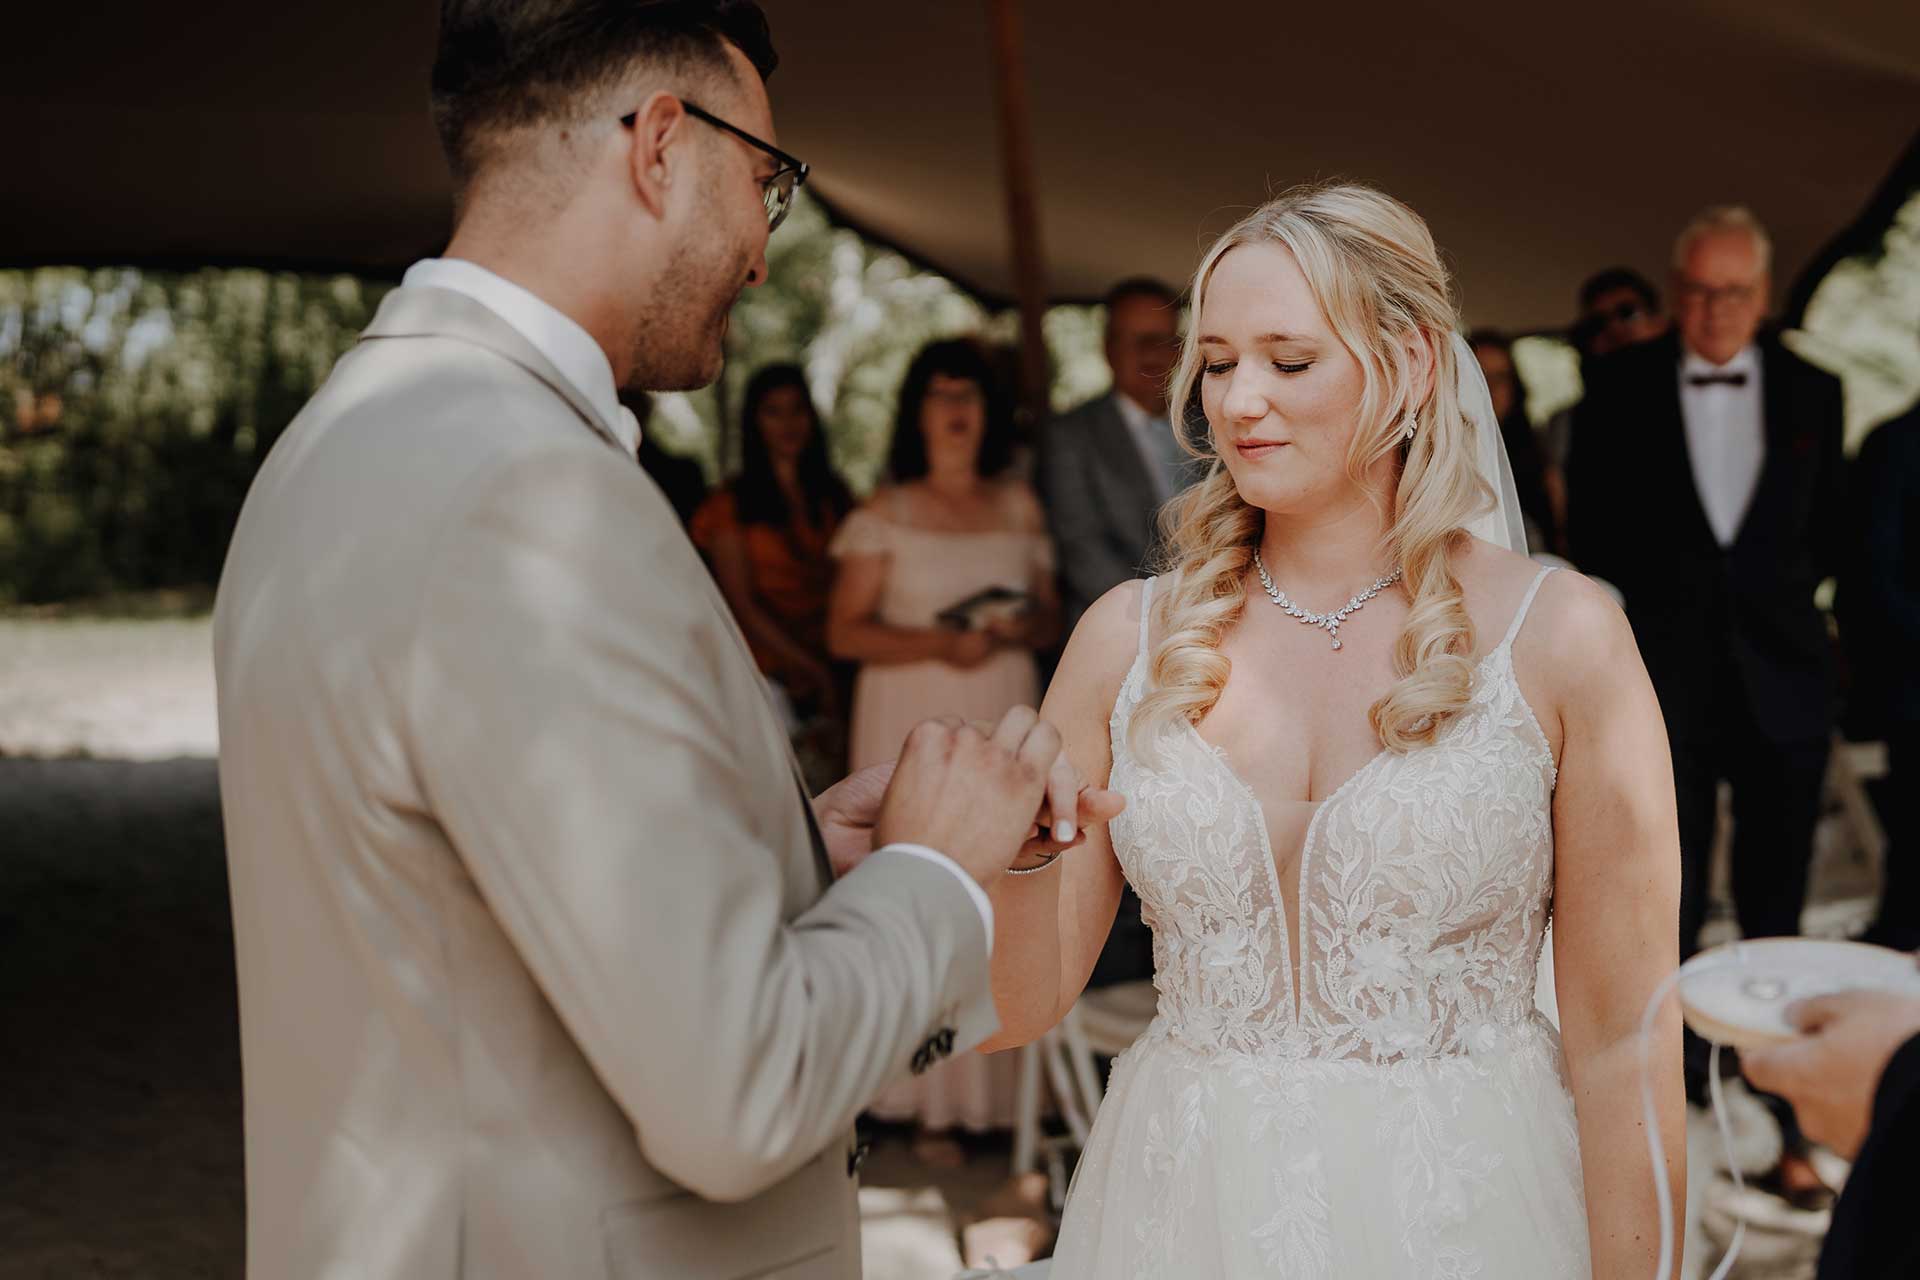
x=947, y=528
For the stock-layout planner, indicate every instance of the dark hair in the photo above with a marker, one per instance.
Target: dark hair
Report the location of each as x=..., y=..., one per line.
x=757, y=495
x=1140, y=287
x=1491, y=338
x=1619, y=278
x=1525, y=454
x=508, y=63
x=955, y=358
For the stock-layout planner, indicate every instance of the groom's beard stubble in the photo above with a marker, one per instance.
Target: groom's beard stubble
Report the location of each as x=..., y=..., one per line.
x=680, y=344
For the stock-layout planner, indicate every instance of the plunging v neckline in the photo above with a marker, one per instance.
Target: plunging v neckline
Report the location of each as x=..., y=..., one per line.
x=1219, y=753
x=1296, y=963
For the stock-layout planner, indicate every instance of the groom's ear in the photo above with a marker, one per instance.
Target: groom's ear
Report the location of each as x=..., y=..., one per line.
x=657, y=155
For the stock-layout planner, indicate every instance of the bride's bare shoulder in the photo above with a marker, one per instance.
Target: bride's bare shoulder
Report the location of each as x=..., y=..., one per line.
x=1489, y=571
x=1574, y=622
x=1104, y=642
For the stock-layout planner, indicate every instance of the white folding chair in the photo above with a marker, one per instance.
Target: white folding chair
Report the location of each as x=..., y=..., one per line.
x=1102, y=1023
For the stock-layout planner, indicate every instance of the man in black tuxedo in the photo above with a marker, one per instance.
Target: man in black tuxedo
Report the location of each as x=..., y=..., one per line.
x=1706, y=482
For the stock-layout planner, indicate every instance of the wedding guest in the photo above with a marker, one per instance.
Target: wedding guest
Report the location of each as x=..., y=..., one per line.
x=767, y=533
x=1524, y=451
x=1854, y=1079
x=1879, y=606
x=679, y=477
x=1108, y=466
x=1705, y=483
x=947, y=528
x=1619, y=308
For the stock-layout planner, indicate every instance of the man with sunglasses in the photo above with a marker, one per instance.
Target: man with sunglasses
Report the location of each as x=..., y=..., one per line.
x=547, y=968
x=1619, y=308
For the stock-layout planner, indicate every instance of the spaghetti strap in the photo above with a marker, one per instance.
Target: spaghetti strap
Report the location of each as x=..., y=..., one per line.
x=1146, y=598
x=1526, y=603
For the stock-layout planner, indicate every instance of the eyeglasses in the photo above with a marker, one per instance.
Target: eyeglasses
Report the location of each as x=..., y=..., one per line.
x=777, y=190
x=1738, y=295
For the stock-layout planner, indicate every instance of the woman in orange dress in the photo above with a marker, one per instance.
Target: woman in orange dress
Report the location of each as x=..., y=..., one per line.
x=767, y=534
x=949, y=526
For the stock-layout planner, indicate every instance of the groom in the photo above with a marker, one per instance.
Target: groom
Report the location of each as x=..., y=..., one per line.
x=542, y=968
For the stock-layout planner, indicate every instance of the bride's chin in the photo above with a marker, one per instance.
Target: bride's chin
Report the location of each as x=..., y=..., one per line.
x=1268, y=488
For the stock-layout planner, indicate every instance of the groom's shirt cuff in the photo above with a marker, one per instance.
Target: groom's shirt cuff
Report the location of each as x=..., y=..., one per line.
x=974, y=891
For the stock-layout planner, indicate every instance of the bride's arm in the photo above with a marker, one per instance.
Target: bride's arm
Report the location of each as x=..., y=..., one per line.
x=1049, y=927
x=1616, y=903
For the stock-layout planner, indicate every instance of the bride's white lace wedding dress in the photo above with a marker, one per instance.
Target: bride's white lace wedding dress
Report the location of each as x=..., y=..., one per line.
x=1399, y=1111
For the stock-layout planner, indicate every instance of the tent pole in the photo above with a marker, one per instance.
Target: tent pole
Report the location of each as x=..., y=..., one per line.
x=1023, y=222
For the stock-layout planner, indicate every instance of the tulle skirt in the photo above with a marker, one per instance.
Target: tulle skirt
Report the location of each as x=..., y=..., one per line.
x=1204, y=1164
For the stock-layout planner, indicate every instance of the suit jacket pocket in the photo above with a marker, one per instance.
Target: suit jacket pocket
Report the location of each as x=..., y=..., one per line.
x=791, y=1230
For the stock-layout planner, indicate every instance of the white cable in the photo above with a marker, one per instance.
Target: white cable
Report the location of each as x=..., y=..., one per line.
x=1663, y=1189
x=1733, y=1166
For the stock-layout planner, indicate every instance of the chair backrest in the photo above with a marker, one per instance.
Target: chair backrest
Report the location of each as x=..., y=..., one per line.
x=1101, y=1024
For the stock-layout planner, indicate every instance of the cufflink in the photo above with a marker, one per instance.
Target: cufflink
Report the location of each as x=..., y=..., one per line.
x=857, y=1156
x=939, y=1045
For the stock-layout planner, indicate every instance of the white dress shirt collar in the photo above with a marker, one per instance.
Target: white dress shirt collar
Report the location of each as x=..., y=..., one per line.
x=553, y=333
x=1725, y=429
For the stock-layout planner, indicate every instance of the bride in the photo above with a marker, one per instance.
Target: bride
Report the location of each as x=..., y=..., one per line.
x=1348, y=832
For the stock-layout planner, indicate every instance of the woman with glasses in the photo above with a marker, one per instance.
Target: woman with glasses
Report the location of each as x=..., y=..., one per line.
x=767, y=533
x=945, y=591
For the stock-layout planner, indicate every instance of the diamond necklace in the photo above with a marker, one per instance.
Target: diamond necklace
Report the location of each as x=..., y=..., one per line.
x=1327, y=622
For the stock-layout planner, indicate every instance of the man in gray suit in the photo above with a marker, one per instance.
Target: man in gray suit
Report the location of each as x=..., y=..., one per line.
x=544, y=968
x=1108, y=466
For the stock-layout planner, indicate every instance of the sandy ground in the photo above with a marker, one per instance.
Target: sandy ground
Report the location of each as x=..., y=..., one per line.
x=123, y=690
x=120, y=1143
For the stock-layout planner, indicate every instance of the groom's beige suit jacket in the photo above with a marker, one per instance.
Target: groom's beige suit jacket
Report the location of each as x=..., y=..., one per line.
x=541, y=973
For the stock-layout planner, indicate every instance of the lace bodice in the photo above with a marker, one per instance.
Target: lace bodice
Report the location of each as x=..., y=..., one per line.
x=1425, y=884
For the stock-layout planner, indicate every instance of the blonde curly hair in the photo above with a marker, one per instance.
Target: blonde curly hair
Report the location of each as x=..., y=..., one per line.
x=1374, y=270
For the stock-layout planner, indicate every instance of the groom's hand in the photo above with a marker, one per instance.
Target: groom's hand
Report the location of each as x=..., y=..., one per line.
x=847, y=811
x=976, y=796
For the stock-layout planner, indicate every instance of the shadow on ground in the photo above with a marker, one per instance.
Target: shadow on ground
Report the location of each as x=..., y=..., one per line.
x=120, y=1062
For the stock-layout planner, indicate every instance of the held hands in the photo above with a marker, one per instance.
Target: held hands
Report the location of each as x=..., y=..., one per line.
x=1013, y=631
x=976, y=794
x=966, y=649
x=1831, y=1075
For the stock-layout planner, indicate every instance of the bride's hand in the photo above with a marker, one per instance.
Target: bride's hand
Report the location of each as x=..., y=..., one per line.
x=1093, y=806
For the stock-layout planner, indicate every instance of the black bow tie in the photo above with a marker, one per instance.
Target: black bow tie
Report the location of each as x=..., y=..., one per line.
x=1716, y=379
